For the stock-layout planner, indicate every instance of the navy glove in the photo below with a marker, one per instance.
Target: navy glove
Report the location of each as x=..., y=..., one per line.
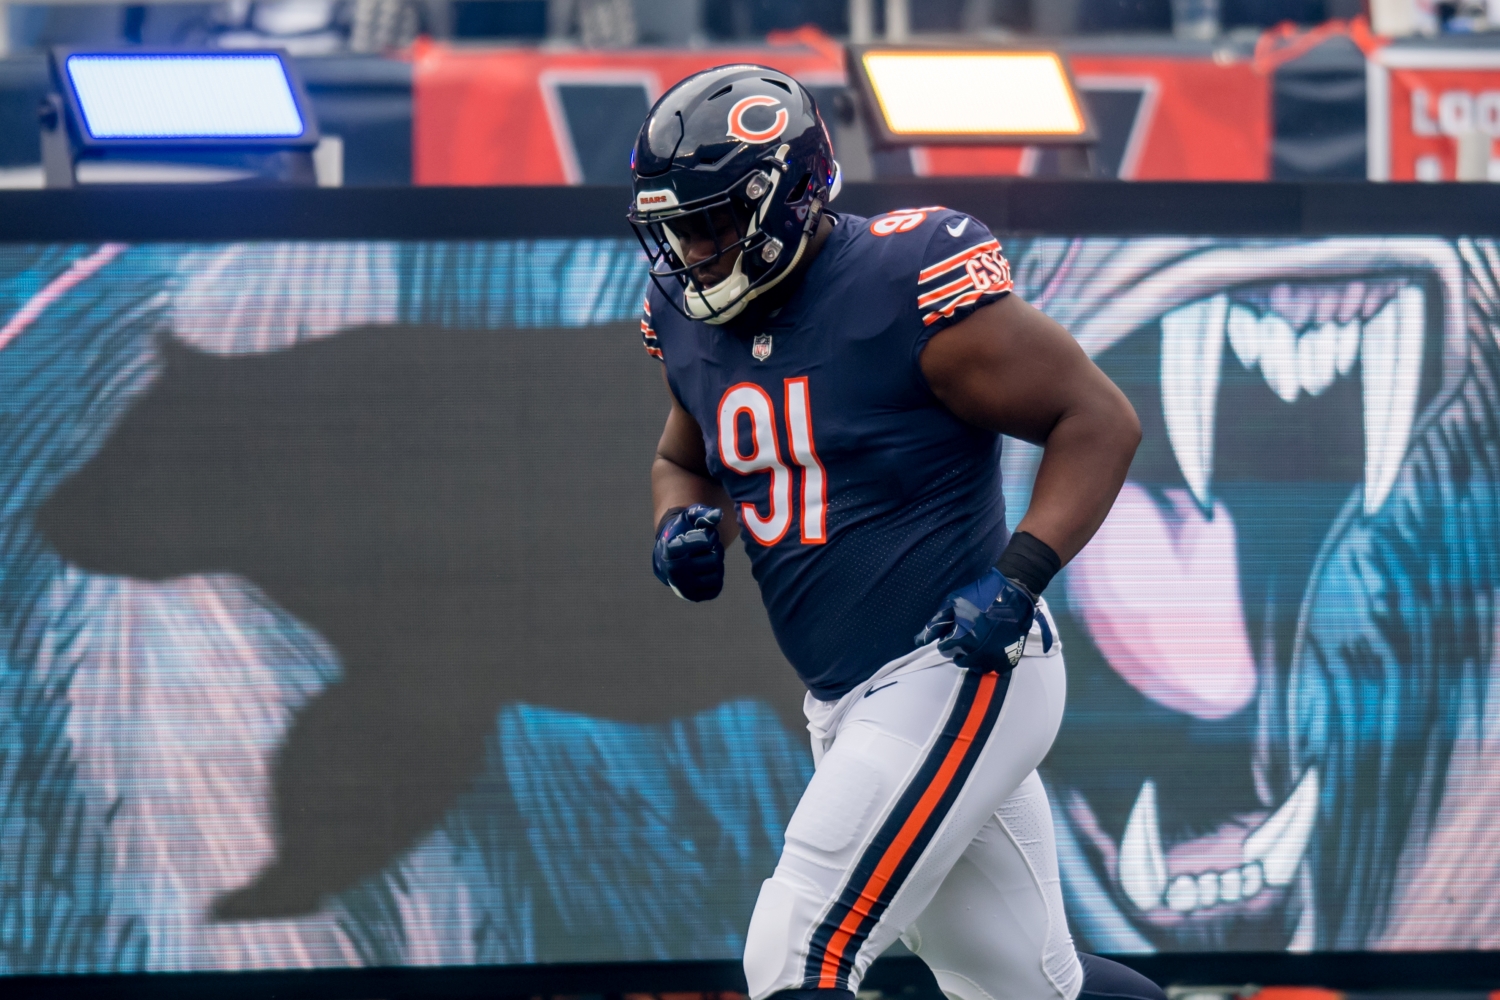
x=984, y=625
x=688, y=556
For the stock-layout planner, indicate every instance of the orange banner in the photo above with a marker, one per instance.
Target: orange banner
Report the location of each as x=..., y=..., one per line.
x=496, y=116
x=1426, y=106
x=502, y=116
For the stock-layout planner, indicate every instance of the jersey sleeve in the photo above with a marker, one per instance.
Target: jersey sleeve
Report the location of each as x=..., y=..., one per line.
x=961, y=270
x=648, y=334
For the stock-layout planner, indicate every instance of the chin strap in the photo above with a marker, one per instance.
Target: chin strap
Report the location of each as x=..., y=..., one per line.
x=814, y=216
x=736, y=279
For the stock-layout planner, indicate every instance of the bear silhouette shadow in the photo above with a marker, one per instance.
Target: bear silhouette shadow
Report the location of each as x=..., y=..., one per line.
x=463, y=515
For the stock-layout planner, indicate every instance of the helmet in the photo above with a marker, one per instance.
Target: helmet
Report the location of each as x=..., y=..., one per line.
x=741, y=138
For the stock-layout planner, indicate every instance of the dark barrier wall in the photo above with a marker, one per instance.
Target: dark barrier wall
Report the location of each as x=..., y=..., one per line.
x=330, y=637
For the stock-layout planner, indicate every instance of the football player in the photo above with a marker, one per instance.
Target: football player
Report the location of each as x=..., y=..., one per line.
x=839, y=390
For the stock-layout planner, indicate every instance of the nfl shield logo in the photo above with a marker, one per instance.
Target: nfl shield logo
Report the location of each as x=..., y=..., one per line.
x=760, y=350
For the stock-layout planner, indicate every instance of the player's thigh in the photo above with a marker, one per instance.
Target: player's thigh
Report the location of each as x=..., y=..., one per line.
x=887, y=745
x=859, y=780
x=880, y=747
x=995, y=929
x=887, y=742
x=1022, y=735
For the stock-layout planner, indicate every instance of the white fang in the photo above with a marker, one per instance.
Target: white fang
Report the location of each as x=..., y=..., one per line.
x=1143, y=865
x=1390, y=358
x=1281, y=841
x=1192, y=346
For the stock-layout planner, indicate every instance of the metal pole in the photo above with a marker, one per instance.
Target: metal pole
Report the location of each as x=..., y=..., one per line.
x=559, y=19
x=1472, y=156
x=897, y=20
x=861, y=21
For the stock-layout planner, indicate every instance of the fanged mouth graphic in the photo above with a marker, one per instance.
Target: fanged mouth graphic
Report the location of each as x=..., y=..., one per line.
x=1350, y=345
x=1301, y=338
x=1269, y=856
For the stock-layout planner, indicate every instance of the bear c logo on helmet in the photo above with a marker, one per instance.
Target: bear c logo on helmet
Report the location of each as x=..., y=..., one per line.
x=739, y=130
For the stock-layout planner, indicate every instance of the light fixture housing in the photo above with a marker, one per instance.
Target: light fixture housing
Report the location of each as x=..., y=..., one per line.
x=149, y=116
x=928, y=96
x=173, y=99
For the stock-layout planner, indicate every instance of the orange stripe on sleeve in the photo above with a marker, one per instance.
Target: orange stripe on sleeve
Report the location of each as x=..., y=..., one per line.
x=938, y=294
x=947, y=311
x=944, y=266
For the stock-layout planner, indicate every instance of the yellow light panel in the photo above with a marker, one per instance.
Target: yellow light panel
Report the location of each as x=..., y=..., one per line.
x=974, y=93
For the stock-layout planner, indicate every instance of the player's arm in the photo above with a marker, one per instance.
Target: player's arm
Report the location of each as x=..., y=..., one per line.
x=1010, y=368
x=679, y=475
x=688, y=554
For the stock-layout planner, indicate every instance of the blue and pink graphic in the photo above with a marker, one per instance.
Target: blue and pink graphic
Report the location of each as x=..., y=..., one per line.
x=1280, y=730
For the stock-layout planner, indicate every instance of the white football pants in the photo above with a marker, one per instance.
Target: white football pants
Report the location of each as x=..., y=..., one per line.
x=925, y=820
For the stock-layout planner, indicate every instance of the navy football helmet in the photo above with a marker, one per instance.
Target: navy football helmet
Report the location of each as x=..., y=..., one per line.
x=740, y=141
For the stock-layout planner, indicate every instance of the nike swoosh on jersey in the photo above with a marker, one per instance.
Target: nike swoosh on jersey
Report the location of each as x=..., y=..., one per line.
x=957, y=230
x=881, y=688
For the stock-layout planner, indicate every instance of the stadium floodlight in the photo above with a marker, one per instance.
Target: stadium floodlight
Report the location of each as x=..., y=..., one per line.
x=962, y=96
x=242, y=113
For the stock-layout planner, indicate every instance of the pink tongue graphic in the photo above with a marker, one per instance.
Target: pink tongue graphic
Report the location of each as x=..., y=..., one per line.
x=1159, y=594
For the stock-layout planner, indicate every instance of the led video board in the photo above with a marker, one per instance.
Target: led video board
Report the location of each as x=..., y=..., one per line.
x=330, y=636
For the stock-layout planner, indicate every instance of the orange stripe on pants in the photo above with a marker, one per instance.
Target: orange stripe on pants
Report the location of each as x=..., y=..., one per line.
x=870, y=894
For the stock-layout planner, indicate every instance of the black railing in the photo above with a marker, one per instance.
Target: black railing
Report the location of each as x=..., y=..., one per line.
x=1098, y=208
x=906, y=977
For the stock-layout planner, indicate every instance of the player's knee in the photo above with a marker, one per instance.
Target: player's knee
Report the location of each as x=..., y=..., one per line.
x=1105, y=979
x=768, y=941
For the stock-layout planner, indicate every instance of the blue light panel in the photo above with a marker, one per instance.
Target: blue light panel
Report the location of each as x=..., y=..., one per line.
x=185, y=96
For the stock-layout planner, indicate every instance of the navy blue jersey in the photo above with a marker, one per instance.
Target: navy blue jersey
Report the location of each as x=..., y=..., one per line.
x=862, y=500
